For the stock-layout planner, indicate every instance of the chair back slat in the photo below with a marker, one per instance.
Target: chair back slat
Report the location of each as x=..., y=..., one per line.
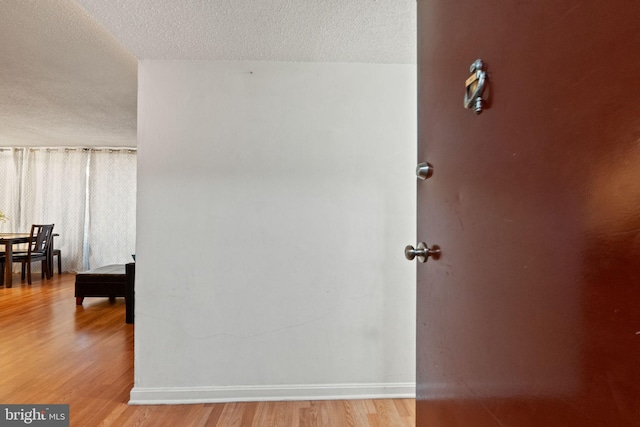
x=41, y=236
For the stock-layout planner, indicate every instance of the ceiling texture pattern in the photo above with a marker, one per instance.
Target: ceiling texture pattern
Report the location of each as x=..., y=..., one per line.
x=68, y=74
x=64, y=80
x=374, y=31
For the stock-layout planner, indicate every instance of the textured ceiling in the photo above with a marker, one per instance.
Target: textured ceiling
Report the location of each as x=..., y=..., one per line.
x=64, y=80
x=374, y=31
x=68, y=68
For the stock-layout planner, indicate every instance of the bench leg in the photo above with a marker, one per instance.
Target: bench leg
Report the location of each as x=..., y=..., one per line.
x=79, y=300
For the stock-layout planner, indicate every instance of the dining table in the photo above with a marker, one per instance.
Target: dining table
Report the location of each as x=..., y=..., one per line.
x=8, y=240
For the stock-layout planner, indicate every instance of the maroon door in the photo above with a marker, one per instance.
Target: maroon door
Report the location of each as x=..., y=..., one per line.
x=531, y=315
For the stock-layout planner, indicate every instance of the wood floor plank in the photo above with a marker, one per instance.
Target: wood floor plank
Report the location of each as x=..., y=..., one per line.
x=54, y=352
x=216, y=413
x=306, y=418
x=356, y=412
x=232, y=415
x=386, y=414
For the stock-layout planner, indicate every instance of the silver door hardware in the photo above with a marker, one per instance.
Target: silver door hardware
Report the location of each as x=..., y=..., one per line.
x=424, y=170
x=422, y=252
x=474, y=87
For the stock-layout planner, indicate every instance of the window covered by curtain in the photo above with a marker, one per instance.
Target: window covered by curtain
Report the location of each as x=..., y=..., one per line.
x=10, y=173
x=89, y=194
x=111, y=212
x=54, y=192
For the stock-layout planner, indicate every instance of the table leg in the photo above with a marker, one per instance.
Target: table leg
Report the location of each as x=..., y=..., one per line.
x=8, y=263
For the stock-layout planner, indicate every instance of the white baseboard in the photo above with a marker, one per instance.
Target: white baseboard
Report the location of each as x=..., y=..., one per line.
x=191, y=395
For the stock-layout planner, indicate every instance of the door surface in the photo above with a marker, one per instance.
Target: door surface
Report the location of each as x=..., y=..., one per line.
x=531, y=315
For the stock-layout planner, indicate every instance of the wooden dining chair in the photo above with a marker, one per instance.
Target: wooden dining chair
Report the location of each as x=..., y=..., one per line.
x=54, y=253
x=57, y=253
x=38, y=250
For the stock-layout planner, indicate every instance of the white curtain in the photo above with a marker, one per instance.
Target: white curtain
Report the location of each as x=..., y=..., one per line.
x=54, y=192
x=10, y=173
x=112, y=207
x=89, y=194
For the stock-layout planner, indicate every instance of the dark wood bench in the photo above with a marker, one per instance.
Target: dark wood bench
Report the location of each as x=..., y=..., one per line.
x=110, y=281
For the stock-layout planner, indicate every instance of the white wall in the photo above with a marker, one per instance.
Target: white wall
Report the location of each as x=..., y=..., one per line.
x=274, y=203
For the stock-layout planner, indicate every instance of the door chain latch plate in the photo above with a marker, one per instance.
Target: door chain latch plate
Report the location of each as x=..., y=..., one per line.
x=475, y=86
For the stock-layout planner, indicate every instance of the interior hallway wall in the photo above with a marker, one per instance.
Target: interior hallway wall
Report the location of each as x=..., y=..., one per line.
x=274, y=203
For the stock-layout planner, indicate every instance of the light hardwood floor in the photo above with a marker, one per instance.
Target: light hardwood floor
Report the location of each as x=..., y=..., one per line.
x=52, y=351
